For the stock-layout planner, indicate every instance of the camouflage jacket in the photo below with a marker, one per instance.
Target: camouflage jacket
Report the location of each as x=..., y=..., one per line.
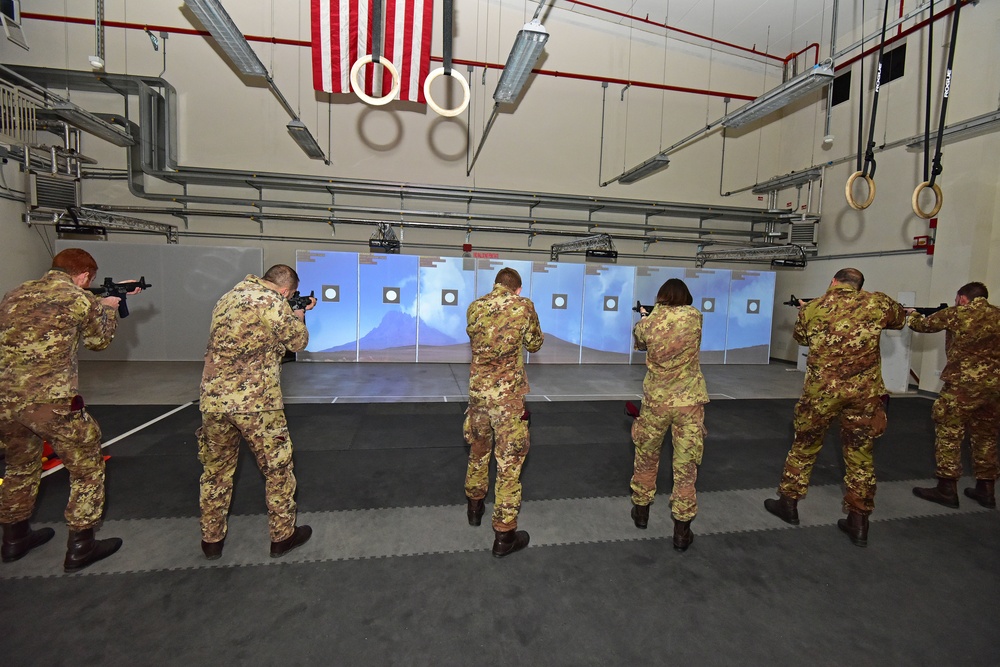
x=671, y=336
x=972, y=341
x=842, y=329
x=252, y=326
x=41, y=325
x=500, y=324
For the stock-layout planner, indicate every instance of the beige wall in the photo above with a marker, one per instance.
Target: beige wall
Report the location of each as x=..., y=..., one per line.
x=552, y=140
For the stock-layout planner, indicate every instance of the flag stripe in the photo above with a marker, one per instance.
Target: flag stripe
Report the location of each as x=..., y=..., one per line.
x=342, y=33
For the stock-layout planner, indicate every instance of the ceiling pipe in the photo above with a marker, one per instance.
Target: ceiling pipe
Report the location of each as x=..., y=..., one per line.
x=455, y=61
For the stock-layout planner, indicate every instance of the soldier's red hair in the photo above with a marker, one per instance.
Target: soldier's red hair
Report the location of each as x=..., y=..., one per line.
x=75, y=261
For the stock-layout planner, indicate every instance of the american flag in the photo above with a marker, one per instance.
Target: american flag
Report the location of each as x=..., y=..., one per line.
x=342, y=33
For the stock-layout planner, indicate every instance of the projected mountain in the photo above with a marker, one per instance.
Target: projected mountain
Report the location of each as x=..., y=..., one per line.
x=396, y=330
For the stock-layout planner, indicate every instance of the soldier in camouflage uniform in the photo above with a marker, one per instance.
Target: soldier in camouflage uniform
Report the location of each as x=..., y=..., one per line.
x=673, y=397
x=252, y=327
x=500, y=325
x=970, y=396
x=843, y=381
x=41, y=325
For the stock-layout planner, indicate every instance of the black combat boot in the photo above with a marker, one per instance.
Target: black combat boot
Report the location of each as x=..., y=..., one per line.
x=299, y=536
x=683, y=537
x=509, y=541
x=476, y=510
x=856, y=527
x=640, y=515
x=19, y=539
x=784, y=508
x=83, y=550
x=945, y=493
x=983, y=493
x=213, y=550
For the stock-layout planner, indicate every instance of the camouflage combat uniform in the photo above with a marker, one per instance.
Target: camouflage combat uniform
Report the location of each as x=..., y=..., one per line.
x=673, y=397
x=971, y=392
x=500, y=324
x=843, y=380
x=41, y=325
x=252, y=326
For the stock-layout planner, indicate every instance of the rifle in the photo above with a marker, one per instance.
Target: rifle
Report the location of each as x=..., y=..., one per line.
x=298, y=302
x=928, y=310
x=794, y=301
x=638, y=306
x=120, y=290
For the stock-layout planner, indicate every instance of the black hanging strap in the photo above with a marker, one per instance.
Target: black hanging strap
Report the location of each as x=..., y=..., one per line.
x=447, y=28
x=927, y=106
x=869, y=164
x=376, y=31
x=936, y=168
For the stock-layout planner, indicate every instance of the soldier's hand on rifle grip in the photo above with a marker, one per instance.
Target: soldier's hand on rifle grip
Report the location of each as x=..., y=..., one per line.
x=111, y=301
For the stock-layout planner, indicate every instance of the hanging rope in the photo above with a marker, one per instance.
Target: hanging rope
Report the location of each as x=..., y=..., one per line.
x=375, y=57
x=936, y=168
x=446, y=70
x=867, y=170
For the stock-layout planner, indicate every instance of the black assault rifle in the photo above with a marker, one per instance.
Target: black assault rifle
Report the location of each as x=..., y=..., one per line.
x=120, y=290
x=299, y=302
x=639, y=306
x=927, y=310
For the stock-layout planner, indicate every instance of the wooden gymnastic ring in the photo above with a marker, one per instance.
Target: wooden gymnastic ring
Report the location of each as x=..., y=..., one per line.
x=938, y=200
x=447, y=113
x=359, y=90
x=849, y=191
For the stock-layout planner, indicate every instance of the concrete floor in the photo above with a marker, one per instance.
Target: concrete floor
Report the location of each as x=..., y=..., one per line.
x=176, y=382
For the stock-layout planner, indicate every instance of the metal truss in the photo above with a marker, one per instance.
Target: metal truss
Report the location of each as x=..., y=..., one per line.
x=595, y=242
x=778, y=255
x=89, y=219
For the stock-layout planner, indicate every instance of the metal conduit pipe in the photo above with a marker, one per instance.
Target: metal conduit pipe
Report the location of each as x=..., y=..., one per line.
x=289, y=217
x=397, y=216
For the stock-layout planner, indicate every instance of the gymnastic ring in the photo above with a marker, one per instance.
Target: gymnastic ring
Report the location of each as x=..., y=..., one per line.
x=359, y=89
x=857, y=206
x=447, y=113
x=938, y=200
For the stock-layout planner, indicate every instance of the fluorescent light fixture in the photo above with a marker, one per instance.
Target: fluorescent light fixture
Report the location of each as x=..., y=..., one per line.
x=215, y=19
x=88, y=122
x=523, y=55
x=650, y=166
x=793, y=179
x=776, y=98
x=979, y=125
x=304, y=138
x=793, y=255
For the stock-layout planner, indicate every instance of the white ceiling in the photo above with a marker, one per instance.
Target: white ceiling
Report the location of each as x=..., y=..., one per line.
x=778, y=27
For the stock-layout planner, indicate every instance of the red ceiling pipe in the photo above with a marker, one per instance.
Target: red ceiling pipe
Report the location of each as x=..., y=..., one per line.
x=683, y=32
x=793, y=56
x=456, y=61
x=912, y=29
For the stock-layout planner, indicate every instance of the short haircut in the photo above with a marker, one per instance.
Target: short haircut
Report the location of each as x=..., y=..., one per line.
x=75, y=261
x=674, y=293
x=851, y=277
x=509, y=278
x=973, y=290
x=282, y=275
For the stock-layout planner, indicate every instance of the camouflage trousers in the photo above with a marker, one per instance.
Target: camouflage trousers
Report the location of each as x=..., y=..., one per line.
x=218, y=450
x=485, y=422
x=862, y=419
x=956, y=409
x=687, y=431
x=75, y=437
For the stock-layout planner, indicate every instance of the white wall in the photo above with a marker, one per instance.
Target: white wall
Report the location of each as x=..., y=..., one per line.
x=551, y=140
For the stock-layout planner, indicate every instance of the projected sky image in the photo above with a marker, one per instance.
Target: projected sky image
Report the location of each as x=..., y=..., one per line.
x=407, y=308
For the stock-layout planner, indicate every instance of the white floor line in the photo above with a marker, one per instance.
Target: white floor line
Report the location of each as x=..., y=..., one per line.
x=125, y=435
x=172, y=543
